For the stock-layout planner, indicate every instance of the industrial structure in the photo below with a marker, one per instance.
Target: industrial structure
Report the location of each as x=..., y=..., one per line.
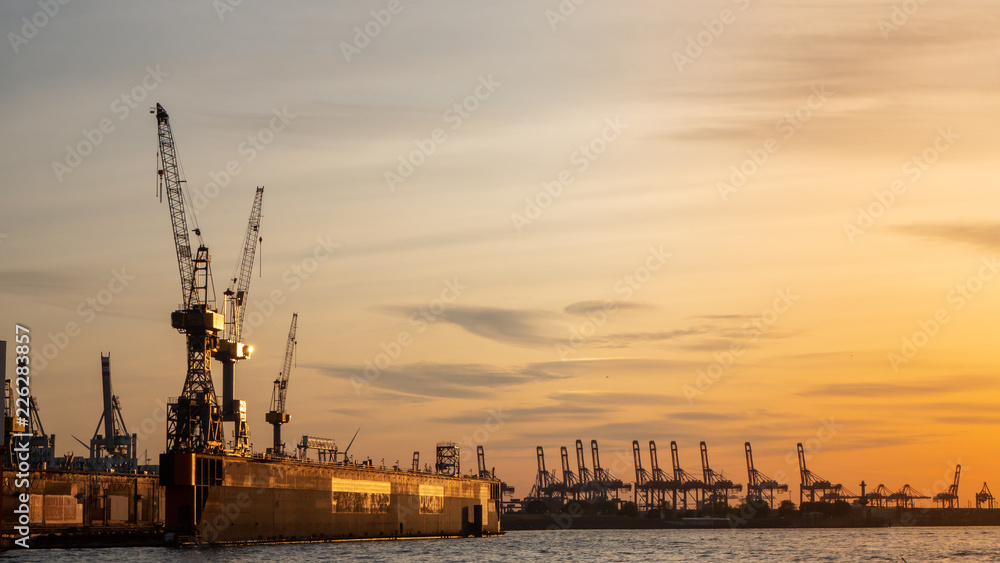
x=202, y=474
x=115, y=450
x=41, y=445
x=277, y=415
x=597, y=485
x=813, y=484
x=231, y=349
x=685, y=486
x=656, y=489
x=719, y=488
x=760, y=487
x=949, y=498
x=984, y=498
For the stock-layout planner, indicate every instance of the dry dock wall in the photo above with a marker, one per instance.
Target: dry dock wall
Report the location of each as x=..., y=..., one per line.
x=219, y=499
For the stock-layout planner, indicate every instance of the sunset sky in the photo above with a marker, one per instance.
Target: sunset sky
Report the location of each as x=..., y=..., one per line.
x=522, y=223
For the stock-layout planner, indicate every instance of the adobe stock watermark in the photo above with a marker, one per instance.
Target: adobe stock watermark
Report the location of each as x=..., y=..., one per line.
x=957, y=297
x=421, y=319
x=580, y=159
x=828, y=430
x=224, y=7
x=492, y=423
x=563, y=11
x=753, y=330
x=248, y=150
x=293, y=277
x=697, y=44
x=154, y=421
x=900, y=16
x=626, y=286
x=88, y=309
x=455, y=116
x=913, y=169
x=366, y=33
x=30, y=27
x=121, y=107
x=788, y=125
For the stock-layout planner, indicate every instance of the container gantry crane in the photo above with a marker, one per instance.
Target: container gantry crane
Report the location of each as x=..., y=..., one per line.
x=642, y=479
x=570, y=481
x=604, y=482
x=949, y=498
x=277, y=416
x=716, y=484
x=659, y=481
x=758, y=483
x=809, y=481
x=545, y=482
x=984, y=498
x=685, y=483
x=584, y=474
x=116, y=449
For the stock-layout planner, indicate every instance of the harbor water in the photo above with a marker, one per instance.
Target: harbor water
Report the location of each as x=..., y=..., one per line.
x=910, y=544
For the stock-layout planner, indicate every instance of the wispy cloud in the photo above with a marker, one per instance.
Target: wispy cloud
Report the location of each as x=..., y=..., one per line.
x=581, y=308
x=978, y=234
x=521, y=328
x=917, y=388
x=436, y=380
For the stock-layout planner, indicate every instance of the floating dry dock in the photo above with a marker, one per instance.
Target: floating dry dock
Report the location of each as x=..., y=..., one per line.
x=230, y=500
x=218, y=499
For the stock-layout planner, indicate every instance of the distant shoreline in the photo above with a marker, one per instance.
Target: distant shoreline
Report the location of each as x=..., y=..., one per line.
x=883, y=517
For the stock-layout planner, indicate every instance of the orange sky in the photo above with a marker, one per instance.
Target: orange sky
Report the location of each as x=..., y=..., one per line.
x=568, y=221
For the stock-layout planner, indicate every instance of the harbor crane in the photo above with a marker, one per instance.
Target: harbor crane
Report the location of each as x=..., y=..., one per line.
x=570, y=482
x=277, y=416
x=231, y=348
x=659, y=482
x=642, y=479
x=809, y=481
x=905, y=496
x=879, y=497
x=604, y=482
x=759, y=484
x=481, y=462
x=545, y=482
x=194, y=419
x=715, y=483
x=115, y=450
x=684, y=482
x=584, y=474
x=949, y=498
x=484, y=473
x=984, y=498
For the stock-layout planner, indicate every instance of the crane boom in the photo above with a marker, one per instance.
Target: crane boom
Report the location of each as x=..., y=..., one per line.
x=236, y=295
x=170, y=181
x=277, y=416
x=281, y=384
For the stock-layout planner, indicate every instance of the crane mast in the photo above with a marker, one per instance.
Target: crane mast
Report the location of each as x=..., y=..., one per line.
x=194, y=419
x=278, y=416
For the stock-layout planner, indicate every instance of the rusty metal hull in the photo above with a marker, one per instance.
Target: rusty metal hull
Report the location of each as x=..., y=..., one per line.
x=218, y=499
